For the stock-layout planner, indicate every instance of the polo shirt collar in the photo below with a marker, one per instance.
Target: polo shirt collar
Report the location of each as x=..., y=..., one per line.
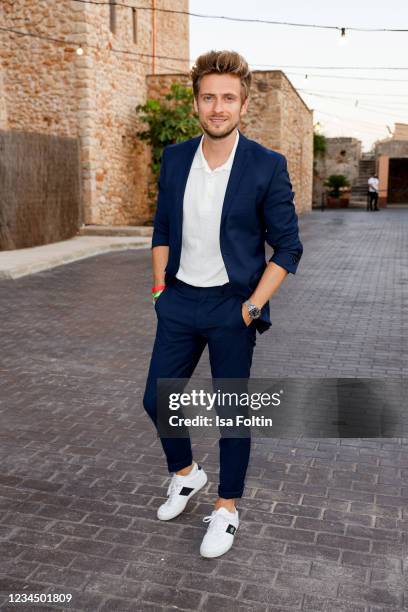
x=201, y=162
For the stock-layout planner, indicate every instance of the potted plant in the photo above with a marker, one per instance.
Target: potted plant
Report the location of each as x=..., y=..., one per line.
x=339, y=194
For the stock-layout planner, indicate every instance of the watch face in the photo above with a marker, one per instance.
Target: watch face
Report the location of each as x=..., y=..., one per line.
x=254, y=311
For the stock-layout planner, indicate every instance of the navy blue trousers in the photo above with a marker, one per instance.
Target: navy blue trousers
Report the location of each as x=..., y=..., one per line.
x=188, y=319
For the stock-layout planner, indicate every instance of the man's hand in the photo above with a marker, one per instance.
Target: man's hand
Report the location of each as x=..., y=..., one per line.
x=245, y=315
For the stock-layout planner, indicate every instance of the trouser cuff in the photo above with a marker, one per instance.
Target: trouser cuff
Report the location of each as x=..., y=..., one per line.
x=179, y=465
x=230, y=494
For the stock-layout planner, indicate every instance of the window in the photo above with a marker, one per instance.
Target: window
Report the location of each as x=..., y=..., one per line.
x=134, y=22
x=112, y=16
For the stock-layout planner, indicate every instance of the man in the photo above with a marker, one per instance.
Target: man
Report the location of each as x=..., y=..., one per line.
x=221, y=196
x=373, y=185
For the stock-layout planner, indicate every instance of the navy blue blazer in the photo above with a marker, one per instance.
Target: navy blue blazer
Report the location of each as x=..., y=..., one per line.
x=258, y=207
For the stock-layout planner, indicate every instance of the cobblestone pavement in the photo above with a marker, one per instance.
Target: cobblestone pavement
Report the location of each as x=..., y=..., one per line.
x=324, y=522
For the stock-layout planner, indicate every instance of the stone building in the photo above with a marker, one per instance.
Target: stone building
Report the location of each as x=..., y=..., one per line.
x=392, y=166
x=389, y=160
x=342, y=157
x=47, y=87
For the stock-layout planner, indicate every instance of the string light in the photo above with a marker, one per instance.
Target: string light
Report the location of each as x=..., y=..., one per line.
x=181, y=59
x=343, y=40
x=240, y=19
x=80, y=51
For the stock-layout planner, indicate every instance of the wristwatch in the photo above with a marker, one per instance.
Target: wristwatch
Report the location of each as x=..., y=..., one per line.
x=253, y=311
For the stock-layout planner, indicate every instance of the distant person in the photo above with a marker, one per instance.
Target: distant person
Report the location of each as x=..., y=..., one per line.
x=373, y=186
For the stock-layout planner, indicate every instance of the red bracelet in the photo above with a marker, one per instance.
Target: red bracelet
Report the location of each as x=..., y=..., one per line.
x=158, y=288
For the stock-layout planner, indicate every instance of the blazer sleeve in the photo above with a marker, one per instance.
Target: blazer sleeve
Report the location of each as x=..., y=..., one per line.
x=281, y=222
x=161, y=220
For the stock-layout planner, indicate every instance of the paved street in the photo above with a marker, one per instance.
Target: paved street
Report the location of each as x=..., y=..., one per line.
x=323, y=522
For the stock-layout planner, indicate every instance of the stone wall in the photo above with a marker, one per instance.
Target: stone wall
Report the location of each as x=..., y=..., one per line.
x=172, y=38
x=48, y=88
x=400, y=131
x=392, y=148
x=39, y=76
x=296, y=142
x=342, y=157
x=277, y=118
x=3, y=105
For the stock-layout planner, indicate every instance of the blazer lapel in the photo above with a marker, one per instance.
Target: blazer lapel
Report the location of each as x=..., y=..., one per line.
x=236, y=173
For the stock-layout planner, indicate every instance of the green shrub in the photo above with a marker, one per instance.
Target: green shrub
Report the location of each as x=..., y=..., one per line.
x=319, y=145
x=169, y=122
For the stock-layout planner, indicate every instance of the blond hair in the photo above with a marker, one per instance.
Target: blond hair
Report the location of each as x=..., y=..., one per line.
x=221, y=62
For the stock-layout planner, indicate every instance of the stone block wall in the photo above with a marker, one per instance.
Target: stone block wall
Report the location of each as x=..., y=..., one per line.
x=342, y=157
x=296, y=142
x=39, y=76
x=48, y=88
x=3, y=105
x=392, y=148
x=172, y=39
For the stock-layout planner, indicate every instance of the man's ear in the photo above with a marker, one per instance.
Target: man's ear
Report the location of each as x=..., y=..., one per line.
x=195, y=105
x=244, y=107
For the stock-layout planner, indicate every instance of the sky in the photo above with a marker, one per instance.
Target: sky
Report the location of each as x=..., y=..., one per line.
x=346, y=102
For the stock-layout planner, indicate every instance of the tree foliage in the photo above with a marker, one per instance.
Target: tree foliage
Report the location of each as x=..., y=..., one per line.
x=319, y=144
x=168, y=122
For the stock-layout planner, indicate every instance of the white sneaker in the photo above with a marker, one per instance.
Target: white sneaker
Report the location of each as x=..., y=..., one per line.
x=220, y=533
x=180, y=489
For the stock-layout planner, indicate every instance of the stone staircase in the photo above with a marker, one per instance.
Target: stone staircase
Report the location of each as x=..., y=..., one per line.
x=359, y=189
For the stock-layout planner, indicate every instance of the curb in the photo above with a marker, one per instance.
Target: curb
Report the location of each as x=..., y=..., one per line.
x=22, y=262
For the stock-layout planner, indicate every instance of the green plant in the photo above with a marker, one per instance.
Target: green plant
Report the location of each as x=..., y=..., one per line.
x=336, y=182
x=319, y=145
x=169, y=122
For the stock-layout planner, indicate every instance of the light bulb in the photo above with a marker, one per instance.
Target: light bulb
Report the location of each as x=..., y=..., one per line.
x=343, y=40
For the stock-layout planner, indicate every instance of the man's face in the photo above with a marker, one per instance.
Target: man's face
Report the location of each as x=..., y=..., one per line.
x=219, y=104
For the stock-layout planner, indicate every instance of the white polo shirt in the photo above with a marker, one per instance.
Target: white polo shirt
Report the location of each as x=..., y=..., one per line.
x=373, y=184
x=201, y=262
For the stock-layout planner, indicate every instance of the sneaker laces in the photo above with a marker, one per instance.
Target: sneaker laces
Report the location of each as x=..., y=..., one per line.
x=175, y=485
x=174, y=488
x=218, y=522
